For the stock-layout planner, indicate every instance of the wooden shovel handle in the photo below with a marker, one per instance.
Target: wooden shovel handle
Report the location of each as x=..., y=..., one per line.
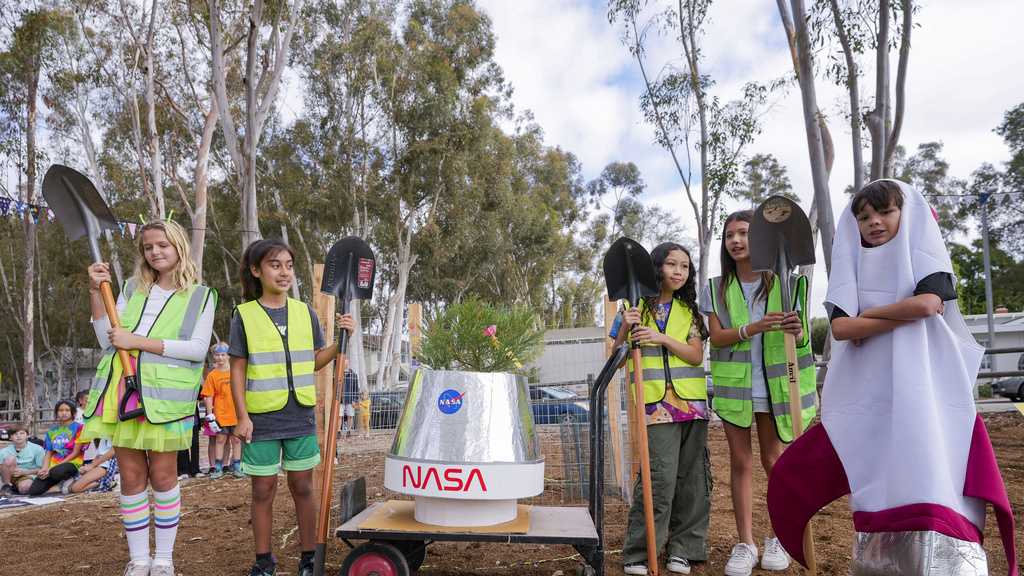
x=645, y=464
x=330, y=446
x=796, y=417
x=115, y=322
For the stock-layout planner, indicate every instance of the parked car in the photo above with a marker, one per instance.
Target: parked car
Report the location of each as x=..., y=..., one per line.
x=1012, y=388
x=552, y=404
x=386, y=408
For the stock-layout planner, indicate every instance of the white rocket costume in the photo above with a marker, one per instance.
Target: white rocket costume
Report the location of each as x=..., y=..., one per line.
x=899, y=431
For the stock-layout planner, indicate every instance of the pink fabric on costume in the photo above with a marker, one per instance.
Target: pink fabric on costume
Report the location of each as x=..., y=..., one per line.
x=986, y=483
x=809, y=475
x=805, y=479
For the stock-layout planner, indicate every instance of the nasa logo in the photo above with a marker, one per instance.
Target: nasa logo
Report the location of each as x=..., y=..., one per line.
x=442, y=479
x=449, y=401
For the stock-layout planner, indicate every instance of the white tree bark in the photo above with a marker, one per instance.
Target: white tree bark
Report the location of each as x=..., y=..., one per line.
x=893, y=139
x=201, y=184
x=852, y=87
x=260, y=94
x=155, y=156
x=877, y=118
x=812, y=124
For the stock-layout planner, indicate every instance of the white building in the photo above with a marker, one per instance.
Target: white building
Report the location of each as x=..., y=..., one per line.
x=571, y=357
x=1009, y=333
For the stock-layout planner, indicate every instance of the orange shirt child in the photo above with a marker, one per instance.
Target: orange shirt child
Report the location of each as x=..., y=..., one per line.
x=218, y=387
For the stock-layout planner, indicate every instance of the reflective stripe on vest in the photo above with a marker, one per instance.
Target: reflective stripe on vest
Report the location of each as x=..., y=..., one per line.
x=731, y=366
x=276, y=363
x=688, y=381
x=170, y=386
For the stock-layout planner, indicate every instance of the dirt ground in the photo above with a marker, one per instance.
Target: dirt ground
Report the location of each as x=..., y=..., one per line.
x=83, y=534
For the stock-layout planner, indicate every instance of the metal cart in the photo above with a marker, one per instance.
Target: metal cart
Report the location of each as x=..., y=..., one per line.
x=400, y=552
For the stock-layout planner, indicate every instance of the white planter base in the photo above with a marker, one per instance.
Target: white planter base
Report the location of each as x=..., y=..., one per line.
x=452, y=512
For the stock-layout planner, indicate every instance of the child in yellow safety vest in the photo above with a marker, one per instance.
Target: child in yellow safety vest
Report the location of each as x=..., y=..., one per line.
x=744, y=310
x=671, y=333
x=276, y=346
x=166, y=321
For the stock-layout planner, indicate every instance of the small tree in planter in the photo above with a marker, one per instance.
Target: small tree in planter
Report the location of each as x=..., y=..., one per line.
x=466, y=425
x=477, y=337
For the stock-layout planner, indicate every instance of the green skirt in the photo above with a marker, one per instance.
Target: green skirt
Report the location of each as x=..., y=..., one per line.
x=139, y=433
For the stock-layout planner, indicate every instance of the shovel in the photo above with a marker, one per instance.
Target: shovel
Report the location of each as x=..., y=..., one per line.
x=81, y=211
x=629, y=274
x=349, y=272
x=780, y=238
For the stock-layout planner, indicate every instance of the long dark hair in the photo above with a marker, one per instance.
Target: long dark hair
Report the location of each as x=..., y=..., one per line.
x=252, y=289
x=71, y=406
x=729, y=265
x=686, y=294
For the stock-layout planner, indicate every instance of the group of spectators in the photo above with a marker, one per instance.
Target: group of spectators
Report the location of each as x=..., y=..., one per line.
x=58, y=461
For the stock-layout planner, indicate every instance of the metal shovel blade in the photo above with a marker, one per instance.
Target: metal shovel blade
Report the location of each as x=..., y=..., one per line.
x=350, y=270
x=780, y=225
x=629, y=272
x=74, y=199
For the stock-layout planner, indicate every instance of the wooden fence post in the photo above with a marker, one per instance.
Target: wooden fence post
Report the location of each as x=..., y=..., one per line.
x=323, y=306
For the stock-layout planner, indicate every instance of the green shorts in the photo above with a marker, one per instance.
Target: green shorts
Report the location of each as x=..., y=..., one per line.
x=263, y=457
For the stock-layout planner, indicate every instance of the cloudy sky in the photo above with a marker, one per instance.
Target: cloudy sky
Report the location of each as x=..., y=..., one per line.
x=569, y=67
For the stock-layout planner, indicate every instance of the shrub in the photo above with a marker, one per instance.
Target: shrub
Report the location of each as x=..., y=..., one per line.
x=460, y=338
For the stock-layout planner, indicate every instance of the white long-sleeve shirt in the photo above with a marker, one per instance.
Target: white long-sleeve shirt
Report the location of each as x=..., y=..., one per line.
x=193, y=349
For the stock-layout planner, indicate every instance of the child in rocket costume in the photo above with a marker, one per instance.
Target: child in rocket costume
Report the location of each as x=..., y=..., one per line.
x=899, y=431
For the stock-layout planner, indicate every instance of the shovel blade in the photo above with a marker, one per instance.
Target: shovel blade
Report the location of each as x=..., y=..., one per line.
x=629, y=272
x=73, y=199
x=780, y=225
x=349, y=270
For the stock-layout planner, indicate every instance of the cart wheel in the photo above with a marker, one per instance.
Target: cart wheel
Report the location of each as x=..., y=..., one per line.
x=375, y=559
x=415, y=551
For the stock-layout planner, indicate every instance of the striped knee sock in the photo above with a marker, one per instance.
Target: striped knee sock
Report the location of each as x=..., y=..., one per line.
x=166, y=511
x=135, y=517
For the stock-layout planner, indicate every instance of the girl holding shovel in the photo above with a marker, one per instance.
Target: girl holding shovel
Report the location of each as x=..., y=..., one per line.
x=167, y=318
x=276, y=345
x=671, y=332
x=748, y=368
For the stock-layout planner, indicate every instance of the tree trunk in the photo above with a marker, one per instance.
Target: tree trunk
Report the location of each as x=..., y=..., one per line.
x=28, y=302
x=893, y=138
x=250, y=218
x=279, y=205
x=155, y=156
x=878, y=117
x=201, y=183
x=815, y=144
x=94, y=169
x=854, y=91
x=691, y=53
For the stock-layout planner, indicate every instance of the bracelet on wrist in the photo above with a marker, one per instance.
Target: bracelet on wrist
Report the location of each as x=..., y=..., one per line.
x=743, y=333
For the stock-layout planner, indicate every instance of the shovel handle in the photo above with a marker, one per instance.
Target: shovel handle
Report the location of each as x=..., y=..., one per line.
x=796, y=417
x=327, y=478
x=645, y=464
x=115, y=322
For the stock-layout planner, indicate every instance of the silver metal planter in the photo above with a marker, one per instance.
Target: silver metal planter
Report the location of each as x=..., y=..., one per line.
x=466, y=448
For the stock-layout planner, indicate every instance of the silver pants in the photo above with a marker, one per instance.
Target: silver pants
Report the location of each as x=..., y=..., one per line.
x=916, y=554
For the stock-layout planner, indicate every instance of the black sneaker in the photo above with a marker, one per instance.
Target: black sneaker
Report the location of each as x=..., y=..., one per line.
x=306, y=567
x=258, y=570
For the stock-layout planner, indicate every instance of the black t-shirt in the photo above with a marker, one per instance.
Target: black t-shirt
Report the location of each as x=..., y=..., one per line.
x=294, y=420
x=939, y=283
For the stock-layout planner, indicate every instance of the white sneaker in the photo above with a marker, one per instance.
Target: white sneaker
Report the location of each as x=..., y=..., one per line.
x=635, y=569
x=135, y=568
x=161, y=568
x=678, y=565
x=742, y=560
x=775, y=557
